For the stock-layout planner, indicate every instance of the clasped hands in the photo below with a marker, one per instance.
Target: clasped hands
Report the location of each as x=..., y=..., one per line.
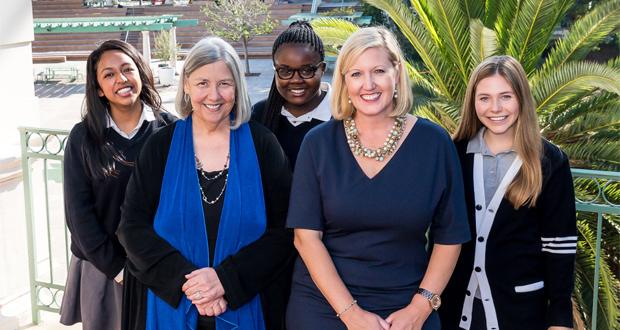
x=204, y=289
x=412, y=317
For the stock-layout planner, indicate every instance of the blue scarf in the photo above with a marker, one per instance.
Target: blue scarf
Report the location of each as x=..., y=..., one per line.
x=180, y=221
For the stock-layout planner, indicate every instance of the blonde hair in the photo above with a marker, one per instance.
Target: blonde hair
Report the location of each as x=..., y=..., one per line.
x=207, y=51
x=526, y=187
x=358, y=42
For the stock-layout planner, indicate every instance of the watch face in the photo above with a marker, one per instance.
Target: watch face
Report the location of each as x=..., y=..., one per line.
x=435, y=302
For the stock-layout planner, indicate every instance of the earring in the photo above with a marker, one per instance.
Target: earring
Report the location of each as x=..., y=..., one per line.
x=349, y=100
x=395, y=94
x=186, y=97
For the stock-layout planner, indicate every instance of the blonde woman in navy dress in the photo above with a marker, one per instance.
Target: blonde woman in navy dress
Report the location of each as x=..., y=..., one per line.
x=367, y=187
x=518, y=273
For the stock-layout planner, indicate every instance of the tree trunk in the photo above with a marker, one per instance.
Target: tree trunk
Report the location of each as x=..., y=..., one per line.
x=245, y=52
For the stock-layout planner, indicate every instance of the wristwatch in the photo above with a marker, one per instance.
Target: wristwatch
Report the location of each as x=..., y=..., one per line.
x=433, y=299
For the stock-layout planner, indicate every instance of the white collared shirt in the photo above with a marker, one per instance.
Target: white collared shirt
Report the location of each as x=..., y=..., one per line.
x=322, y=112
x=147, y=115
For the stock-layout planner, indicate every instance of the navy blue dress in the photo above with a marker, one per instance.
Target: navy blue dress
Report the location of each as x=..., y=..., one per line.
x=374, y=229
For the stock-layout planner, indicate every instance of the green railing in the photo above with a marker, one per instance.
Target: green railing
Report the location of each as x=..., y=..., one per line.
x=48, y=238
x=593, y=191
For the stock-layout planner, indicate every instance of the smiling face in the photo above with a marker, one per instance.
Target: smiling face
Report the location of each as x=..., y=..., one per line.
x=299, y=93
x=118, y=79
x=497, y=106
x=371, y=82
x=212, y=92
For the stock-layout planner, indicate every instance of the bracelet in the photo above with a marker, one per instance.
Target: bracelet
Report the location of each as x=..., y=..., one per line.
x=346, y=308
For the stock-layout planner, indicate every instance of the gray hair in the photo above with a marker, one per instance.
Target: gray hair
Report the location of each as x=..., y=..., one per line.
x=207, y=51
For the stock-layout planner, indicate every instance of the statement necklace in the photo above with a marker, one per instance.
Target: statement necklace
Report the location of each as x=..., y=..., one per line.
x=381, y=153
x=203, y=173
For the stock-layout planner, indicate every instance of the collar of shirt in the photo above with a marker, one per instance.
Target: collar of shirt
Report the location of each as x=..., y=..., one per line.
x=147, y=115
x=478, y=145
x=322, y=112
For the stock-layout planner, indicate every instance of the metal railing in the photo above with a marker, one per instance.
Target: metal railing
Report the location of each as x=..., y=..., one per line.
x=592, y=195
x=48, y=238
x=42, y=161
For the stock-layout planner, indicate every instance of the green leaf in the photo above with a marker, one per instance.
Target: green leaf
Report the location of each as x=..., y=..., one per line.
x=423, y=39
x=483, y=42
x=333, y=31
x=531, y=32
x=491, y=10
x=451, y=22
x=585, y=34
x=474, y=9
x=573, y=77
x=584, y=271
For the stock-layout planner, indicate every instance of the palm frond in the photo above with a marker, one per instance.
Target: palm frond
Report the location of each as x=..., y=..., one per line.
x=421, y=9
x=452, y=23
x=474, y=9
x=587, y=32
x=614, y=62
x=608, y=311
x=420, y=81
x=573, y=77
x=600, y=151
x=561, y=8
x=580, y=104
x=440, y=113
x=588, y=124
x=491, y=10
x=531, y=33
x=422, y=40
x=483, y=42
x=507, y=14
x=333, y=31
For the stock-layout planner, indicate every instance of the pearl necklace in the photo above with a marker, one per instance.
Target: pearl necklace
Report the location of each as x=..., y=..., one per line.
x=219, y=174
x=381, y=153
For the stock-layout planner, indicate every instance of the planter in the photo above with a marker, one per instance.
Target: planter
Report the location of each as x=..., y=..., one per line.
x=166, y=76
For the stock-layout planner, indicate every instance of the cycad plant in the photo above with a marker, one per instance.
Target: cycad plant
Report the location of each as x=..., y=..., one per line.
x=577, y=100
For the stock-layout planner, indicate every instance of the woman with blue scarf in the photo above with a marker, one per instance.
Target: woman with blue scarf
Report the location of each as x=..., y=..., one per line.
x=203, y=220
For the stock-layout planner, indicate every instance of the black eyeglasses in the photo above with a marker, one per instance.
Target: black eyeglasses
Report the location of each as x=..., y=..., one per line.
x=305, y=72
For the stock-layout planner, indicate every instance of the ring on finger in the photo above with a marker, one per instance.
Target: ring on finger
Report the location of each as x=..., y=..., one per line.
x=198, y=295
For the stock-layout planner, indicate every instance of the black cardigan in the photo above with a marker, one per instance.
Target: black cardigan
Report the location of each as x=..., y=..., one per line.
x=93, y=206
x=262, y=267
x=514, y=252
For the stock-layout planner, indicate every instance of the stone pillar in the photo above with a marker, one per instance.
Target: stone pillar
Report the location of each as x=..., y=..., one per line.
x=146, y=46
x=17, y=100
x=17, y=108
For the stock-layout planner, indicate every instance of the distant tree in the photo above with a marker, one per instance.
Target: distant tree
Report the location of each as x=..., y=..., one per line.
x=163, y=47
x=239, y=20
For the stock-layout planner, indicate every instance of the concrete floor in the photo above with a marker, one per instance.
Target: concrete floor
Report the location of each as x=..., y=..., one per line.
x=58, y=106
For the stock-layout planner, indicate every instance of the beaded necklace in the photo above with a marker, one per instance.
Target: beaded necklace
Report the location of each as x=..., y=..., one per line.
x=203, y=173
x=381, y=153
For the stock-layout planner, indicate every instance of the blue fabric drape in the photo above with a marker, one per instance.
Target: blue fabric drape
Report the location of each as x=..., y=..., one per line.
x=180, y=221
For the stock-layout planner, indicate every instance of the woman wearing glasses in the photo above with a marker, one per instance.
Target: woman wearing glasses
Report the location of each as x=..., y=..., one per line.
x=297, y=101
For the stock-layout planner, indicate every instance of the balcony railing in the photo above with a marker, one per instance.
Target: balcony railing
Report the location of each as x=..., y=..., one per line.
x=48, y=237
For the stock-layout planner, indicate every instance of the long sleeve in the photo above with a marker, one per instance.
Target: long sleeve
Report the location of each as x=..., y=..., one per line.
x=256, y=266
x=88, y=234
x=150, y=258
x=559, y=238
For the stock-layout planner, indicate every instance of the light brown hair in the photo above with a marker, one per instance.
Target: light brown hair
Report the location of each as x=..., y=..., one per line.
x=526, y=186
